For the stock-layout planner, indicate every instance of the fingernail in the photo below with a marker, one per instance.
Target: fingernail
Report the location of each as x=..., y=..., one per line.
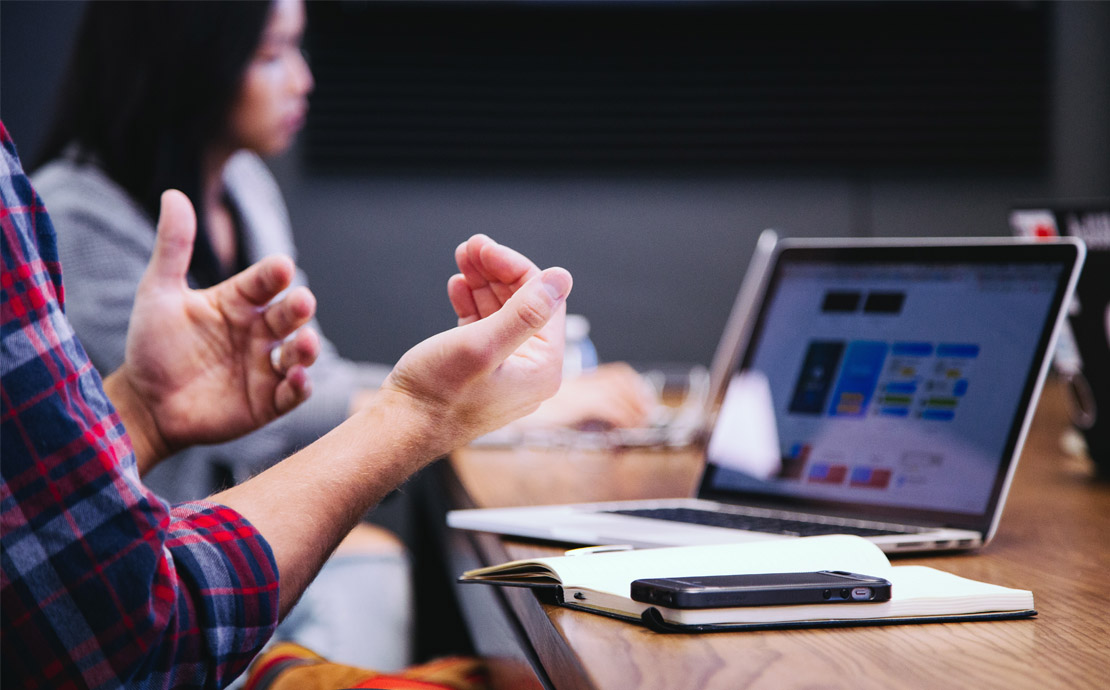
x=557, y=282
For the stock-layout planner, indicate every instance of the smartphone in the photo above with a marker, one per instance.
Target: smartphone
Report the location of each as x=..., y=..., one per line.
x=771, y=589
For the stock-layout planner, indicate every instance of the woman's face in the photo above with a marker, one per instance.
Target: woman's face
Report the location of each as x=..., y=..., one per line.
x=273, y=98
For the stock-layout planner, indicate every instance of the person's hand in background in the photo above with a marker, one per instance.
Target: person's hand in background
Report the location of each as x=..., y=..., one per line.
x=614, y=395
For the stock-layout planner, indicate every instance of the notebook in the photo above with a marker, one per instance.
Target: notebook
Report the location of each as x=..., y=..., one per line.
x=881, y=388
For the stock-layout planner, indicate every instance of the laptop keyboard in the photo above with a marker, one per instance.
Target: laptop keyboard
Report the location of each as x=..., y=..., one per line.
x=754, y=523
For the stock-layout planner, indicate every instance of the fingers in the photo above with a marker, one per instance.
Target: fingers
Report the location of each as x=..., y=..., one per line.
x=261, y=282
x=173, y=245
x=300, y=350
x=527, y=313
x=630, y=396
x=613, y=395
x=488, y=296
x=493, y=272
x=294, y=389
x=292, y=357
x=468, y=256
x=462, y=299
x=290, y=361
x=291, y=312
x=503, y=264
x=462, y=259
x=626, y=411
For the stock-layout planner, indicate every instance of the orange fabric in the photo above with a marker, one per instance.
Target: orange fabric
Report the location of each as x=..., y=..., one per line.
x=287, y=666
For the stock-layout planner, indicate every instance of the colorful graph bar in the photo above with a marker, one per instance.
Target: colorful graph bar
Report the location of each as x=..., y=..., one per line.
x=870, y=477
x=822, y=473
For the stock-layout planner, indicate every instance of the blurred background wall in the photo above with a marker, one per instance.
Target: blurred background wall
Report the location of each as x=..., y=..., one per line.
x=644, y=145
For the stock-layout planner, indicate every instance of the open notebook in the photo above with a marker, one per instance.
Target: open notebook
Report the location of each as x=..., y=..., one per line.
x=881, y=388
x=601, y=583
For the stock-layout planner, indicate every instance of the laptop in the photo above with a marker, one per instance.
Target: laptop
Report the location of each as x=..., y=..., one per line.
x=898, y=379
x=1082, y=355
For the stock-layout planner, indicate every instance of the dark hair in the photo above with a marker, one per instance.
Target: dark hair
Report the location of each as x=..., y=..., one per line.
x=149, y=88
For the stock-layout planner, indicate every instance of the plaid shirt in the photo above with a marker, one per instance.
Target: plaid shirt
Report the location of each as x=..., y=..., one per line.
x=103, y=584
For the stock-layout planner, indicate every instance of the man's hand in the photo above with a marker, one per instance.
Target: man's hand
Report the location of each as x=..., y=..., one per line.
x=613, y=395
x=505, y=357
x=502, y=360
x=198, y=365
x=489, y=274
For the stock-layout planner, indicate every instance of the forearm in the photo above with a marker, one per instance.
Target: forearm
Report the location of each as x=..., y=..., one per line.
x=307, y=503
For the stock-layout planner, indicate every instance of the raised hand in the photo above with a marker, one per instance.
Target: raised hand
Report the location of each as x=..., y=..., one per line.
x=204, y=366
x=489, y=275
x=613, y=395
x=503, y=359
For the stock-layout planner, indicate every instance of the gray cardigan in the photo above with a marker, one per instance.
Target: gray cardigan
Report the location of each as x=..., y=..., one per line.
x=105, y=240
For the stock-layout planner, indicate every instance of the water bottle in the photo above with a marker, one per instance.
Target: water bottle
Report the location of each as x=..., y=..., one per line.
x=580, y=354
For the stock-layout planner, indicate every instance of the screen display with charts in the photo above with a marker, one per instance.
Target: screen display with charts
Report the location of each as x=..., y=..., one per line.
x=898, y=383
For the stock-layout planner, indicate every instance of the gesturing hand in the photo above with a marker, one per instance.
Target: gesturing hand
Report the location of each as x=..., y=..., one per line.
x=198, y=365
x=506, y=355
x=490, y=273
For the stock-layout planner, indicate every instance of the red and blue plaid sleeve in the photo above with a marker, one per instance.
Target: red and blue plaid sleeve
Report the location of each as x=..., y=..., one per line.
x=102, y=584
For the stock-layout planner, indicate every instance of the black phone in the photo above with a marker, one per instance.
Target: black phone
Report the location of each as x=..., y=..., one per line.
x=770, y=589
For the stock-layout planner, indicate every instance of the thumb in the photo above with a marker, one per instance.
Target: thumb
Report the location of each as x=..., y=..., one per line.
x=173, y=245
x=528, y=312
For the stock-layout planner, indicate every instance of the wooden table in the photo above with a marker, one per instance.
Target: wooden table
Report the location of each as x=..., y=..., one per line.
x=1054, y=539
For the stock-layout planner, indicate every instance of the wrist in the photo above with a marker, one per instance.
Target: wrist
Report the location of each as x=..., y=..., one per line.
x=147, y=441
x=421, y=426
x=360, y=398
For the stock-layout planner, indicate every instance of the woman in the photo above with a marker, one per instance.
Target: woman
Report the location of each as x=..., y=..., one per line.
x=179, y=95
x=187, y=96
x=190, y=96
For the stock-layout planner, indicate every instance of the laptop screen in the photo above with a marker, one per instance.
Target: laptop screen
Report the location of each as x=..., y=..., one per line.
x=897, y=379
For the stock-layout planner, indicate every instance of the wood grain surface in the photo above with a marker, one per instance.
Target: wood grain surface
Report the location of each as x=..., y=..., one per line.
x=1054, y=539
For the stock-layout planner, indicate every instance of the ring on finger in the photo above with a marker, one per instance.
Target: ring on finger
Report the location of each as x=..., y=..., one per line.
x=275, y=360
